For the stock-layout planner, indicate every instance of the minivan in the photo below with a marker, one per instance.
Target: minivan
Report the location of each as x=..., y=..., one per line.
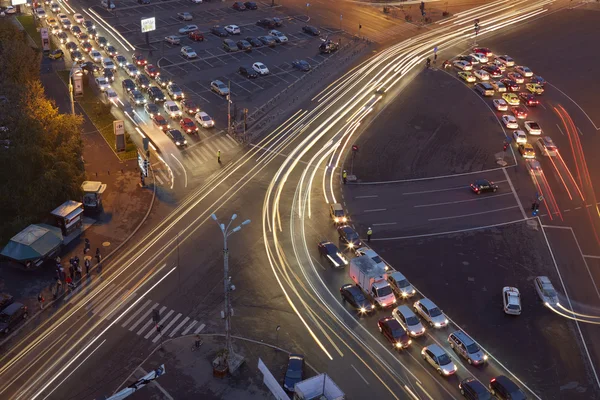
x=11, y=316
x=505, y=389
x=466, y=347
x=409, y=321
x=229, y=45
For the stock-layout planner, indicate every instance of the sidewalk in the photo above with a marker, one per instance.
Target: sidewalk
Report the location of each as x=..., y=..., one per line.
x=126, y=206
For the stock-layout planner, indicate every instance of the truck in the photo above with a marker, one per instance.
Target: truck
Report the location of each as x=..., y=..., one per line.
x=319, y=387
x=372, y=279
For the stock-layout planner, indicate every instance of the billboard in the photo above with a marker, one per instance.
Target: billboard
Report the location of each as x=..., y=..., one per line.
x=45, y=39
x=148, y=24
x=18, y=2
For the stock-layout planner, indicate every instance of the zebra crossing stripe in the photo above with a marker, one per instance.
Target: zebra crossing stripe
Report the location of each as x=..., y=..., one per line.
x=136, y=313
x=199, y=329
x=123, y=304
x=132, y=327
x=153, y=330
x=157, y=177
x=201, y=156
x=235, y=143
x=195, y=158
x=223, y=144
x=211, y=148
x=166, y=328
x=178, y=327
x=143, y=328
x=98, y=299
x=109, y=299
x=189, y=327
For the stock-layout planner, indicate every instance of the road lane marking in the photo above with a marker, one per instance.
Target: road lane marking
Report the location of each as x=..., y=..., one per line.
x=375, y=210
x=473, y=214
x=431, y=177
x=320, y=265
x=359, y=374
x=384, y=223
x=199, y=329
x=367, y=197
x=414, y=396
x=143, y=317
x=189, y=328
x=178, y=327
x=561, y=131
x=136, y=313
x=123, y=304
x=512, y=188
x=590, y=256
x=462, y=201
x=183, y=168
x=424, y=391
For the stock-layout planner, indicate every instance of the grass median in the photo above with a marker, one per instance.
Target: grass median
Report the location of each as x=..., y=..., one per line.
x=30, y=27
x=101, y=116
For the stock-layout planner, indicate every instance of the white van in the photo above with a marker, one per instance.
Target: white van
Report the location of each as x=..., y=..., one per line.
x=104, y=3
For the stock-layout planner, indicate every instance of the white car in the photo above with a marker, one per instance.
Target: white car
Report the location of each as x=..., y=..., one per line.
x=260, y=68
x=500, y=105
x=78, y=18
x=481, y=74
x=188, y=52
x=400, y=285
x=41, y=13
x=512, y=300
x=498, y=86
x=102, y=83
x=10, y=10
x=279, y=37
x=520, y=137
x=61, y=16
x=365, y=251
x=430, y=313
x=409, y=321
x=533, y=128
x=510, y=122
x=233, y=29
x=95, y=56
x=547, y=146
x=187, y=29
x=463, y=65
x=204, y=120
x=435, y=356
x=111, y=95
x=107, y=63
x=506, y=60
x=132, y=71
x=172, y=109
x=172, y=40
x=545, y=290
x=526, y=72
x=480, y=57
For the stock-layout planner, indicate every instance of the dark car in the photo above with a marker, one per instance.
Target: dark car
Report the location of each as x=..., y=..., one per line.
x=294, y=372
x=266, y=23
x=11, y=316
x=143, y=1
x=472, y=389
x=464, y=58
x=354, y=295
x=278, y=21
x=142, y=81
x=163, y=81
x=139, y=59
x=244, y=45
x=492, y=70
x=111, y=51
x=311, y=30
x=330, y=250
x=71, y=46
x=190, y=107
x=268, y=40
x=89, y=66
x=109, y=75
x=218, y=30
x=151, y=109
x=254, y=41
x=349, y=236
x=538, y=79
x=238, y=5
x=250, y=5
x=511, y=85
x=328, y=46
x=5, y=300
x=156, y=94
x=102, y=42
x=528, y=99
x=301, y=65
x=177, y=137
x=76, y=56
x=505, y=389
x=92, y=33
x=128, y=85
x=393, y=331
x=76, y=30
x=89, y=25
x=483, y=185
x=248, y=72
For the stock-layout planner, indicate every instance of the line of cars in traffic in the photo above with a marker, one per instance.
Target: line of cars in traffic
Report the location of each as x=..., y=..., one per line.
x=407, y=323
x=500, y=74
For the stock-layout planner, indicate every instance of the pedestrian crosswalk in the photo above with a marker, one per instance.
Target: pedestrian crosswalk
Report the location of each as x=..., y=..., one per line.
x=138, y=319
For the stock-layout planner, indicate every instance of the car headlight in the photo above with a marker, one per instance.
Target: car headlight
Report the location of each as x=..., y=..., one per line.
x=414, y=291
x=336, y=219
x=394, y=301
x=185, y=142
x=438, y=324
x=445, y=321
x=398, y=344
x=351, y=245
x=413, y=333
x=409, y=341
x=446, y=372
x=404, y=294
x=485, y=357
x=363, y=310
x=168, y=126
x=344, y=219
x=372, y=306
x=177, y=143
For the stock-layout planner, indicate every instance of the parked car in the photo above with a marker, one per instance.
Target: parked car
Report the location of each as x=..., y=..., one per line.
x=267, y=40
x=184, y=16
x=244, y=45
x=260, y=68
x=278, y=36
x=11, y=316
x=238, y=5
x=302, y=65
x=196, y=36
x=219, y=87
x=294, y=372
x=250, y=5
x=174, y=40
x=188, y=52
x=266, y=23
x=233, y=29
x=311, y=30
x=218, y=31
x=187, y=29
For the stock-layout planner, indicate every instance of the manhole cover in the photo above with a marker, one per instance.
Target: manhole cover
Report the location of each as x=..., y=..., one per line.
x=105, y=244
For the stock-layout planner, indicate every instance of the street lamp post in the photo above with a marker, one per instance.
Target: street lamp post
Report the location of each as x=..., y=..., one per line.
x=231, y=359
x=78, y=71
x=228, y=108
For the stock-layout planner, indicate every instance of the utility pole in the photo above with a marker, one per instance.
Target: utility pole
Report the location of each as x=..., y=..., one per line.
x=229, y=107
x=232, y=360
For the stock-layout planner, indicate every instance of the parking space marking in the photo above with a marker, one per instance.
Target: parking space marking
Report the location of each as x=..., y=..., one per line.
x=462, y=201
x=472, y=214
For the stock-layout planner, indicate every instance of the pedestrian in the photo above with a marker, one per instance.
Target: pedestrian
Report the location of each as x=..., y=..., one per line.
x=99, y=268
x=71, y=261
x=54, y=291
x=369, y=233
x=76, y=261
x=87, y=266
x=345, y=176
x=86, y=246
x=70, y=283
x=61, y=271
x=72, y=270
x=78, y=270
x=219, y=156
x=41, y=301
x=98, y=257
x=59, y=286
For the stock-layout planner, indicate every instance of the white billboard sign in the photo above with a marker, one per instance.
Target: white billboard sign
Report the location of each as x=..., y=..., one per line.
x=148, y=24
x=18, y=2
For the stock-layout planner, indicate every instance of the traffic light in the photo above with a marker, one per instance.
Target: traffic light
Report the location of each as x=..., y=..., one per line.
x=422, y=6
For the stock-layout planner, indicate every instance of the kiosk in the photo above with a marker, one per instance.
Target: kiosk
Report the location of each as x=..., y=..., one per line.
x=69, y=216
x=92, y=195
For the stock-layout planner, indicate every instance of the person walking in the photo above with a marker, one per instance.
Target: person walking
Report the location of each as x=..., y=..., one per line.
x=54, y=291
x=369, y=233
x=41, y=301
x=98, y=256
x=78, y=271
x=345, y=176
x=70, y=284
x=87, y=266
x=59, y=287
x=86, y=246
x=72, y=269
x=219, y=156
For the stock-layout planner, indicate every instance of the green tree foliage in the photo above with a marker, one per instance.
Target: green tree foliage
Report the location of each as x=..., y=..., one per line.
x=41, y=167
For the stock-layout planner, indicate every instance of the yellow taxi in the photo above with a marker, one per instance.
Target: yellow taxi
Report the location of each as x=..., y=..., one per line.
x=467, y=76
x=511, y=98
x=535, y=88
x=56, y=54
x=526, y=150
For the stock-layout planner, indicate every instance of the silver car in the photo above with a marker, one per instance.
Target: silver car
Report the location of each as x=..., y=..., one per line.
x=438, y=359
x=466, y=347
x=400, y=285
x=409, y=321
x=430, y=313
x=546, y=291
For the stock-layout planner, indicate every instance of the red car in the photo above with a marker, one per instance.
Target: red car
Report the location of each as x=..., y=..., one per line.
x=238, y=5
x=161, y=123
x=515, y=76
x=511, y=85
x=528, y=99
x=152, y=71
x=494, y=71
x=188, y=125
x=393, y=331
x=139, y=59
x=196, y=36
x=190, y=107
x=483, y=50
x=519, y=112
